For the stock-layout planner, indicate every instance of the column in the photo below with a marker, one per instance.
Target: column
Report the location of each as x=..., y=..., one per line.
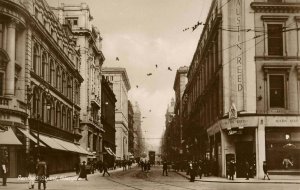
x=10, y=69
x=260, y=147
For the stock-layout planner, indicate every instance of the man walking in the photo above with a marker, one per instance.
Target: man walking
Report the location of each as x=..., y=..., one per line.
x=231, y=169
x=82, y=173
x=4, y=170
x=41, y=172
x=165, y=168
x=31, y=168
x=265, y=168
x=105, y=169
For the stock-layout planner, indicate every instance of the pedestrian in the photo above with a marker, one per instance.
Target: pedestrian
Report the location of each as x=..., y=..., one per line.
x=82, y=173
x=247, y=170
x=265, y=168
x=165, y=168
x=192, y=172
x=4, y=170
x=231, y=169
x=148, y=166
x=31, y=169
x=200, y=169
x=105, y=169
x=41, y=172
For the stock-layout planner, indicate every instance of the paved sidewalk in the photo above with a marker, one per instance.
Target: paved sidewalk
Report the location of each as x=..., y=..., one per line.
x=288, y=179
x=24, y=180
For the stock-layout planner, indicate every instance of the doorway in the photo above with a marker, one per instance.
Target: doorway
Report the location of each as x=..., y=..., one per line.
x=244, y=152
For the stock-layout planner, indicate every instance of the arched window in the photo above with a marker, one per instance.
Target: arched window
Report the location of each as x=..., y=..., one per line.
x=57, y=78
x=69, y=88
x=44, y=108
x=36, y=55
x=35, y=102
x=44, y=66
x=69, y=120
x=64, y=118
x=51, y=73
x=58, y=116
x=63, y=86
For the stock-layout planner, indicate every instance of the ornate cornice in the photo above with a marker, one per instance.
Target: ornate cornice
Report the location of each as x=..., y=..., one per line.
x=267, y=7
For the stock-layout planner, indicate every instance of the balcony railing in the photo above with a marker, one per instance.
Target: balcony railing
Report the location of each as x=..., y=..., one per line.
x=4, y=101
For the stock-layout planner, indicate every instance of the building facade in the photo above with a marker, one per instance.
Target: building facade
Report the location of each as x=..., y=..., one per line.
x=108, y=101
x=88, y=39
x=139, y=141
x=241, y=98
x=130, y=131
x=179, y=87
x=40, y=84
x=171, y=135
x=121, y=86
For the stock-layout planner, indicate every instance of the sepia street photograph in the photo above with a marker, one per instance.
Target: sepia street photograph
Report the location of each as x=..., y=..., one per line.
x=150, y=94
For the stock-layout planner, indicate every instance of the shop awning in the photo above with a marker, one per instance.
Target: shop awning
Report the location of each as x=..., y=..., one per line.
x=28, y=135
x=67, y=145
x=83, y=151
x=51, y=142
x=8, y=137
x=109, y=151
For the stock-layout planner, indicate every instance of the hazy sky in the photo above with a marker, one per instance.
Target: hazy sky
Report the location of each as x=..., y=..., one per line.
x=143, y=33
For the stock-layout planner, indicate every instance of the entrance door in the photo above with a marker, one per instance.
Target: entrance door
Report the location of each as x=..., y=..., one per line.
x=244, y=152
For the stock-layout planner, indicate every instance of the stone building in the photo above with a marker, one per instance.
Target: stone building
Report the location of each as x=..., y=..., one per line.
x=39, y=87
x=108, y=101
x=118, y=77
x=179, y=87
x=242, y=101
x=139, y=141
x=130, y=131
x=88, y=39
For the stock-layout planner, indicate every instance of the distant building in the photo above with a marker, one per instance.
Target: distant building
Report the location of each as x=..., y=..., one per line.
x=130, y=131
x=179, y=87
x=169, y=150
x=139, y=141
x=108, y=101
x=118, y=77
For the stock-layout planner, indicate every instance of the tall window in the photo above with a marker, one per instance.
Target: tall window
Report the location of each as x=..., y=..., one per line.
x=57, y=121
x=63, y=86
x=69, y=121
x=51, y=73
x=275, y=39
x=35, y=59
x=276, y=83
x=64, y=118
x=44, y=66
x=57, y=83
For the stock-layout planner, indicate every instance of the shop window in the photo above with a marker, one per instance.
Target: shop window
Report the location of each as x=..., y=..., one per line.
x=277, y=91
x=275, y=39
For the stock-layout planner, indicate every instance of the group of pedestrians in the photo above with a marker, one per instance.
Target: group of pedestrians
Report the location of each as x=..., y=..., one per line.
x=37, y=170
x=145, y=165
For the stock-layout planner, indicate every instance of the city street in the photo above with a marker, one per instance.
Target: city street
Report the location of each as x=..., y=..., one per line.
x=136, y=179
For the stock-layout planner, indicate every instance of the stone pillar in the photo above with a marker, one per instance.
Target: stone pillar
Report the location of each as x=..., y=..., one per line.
x=260, y=147
x=10, y=69
x=100, y=149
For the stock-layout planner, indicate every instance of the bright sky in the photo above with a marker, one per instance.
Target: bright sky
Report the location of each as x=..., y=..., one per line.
x=143, y=33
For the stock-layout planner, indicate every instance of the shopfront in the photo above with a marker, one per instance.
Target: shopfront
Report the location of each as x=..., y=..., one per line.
x=283, y=148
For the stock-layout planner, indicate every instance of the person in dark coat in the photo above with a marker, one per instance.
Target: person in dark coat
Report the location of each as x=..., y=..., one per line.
x=231, y=169
x=247, y=170
x=265, y=168
x=165, y=168
x=192, y=172
x=3, y=170
x=31, y=169
x=200, y=169
x=41, y=172
x=82, y=173
x=105, y=169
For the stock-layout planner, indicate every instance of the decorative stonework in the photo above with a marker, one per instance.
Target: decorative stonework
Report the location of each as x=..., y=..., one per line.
x=267, y=7
x=268, y=68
